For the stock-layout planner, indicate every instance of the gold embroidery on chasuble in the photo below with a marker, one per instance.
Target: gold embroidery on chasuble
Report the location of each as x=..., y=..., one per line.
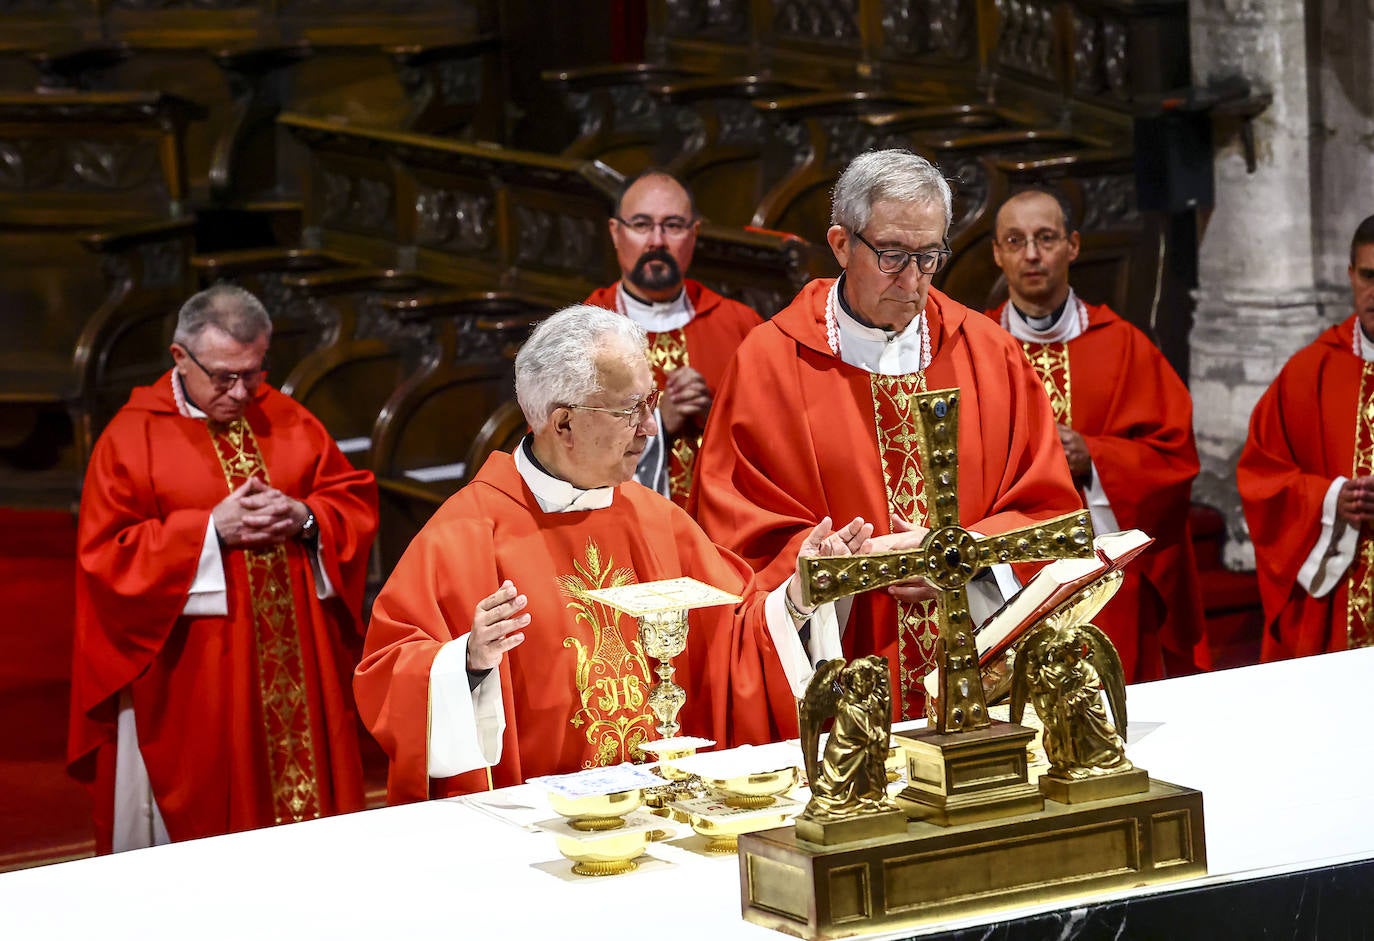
x=612, y=676
x=668, y=352
x=1051, y=362
x=1359, y=608
x=281, y=675
x=918, y=628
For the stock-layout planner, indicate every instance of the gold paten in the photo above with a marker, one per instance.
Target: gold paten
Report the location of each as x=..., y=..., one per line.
x=985, y=839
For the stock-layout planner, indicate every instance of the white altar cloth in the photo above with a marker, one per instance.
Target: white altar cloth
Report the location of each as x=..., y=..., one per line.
x=1263, y=744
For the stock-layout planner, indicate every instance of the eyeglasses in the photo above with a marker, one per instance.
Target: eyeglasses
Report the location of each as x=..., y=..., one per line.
x=1045, y=241
x=635, y=415
x=224, y=381
x=674, y=227
x=895, y=260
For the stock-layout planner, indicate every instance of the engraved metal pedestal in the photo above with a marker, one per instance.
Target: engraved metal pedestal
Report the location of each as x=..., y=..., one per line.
x=931, y=873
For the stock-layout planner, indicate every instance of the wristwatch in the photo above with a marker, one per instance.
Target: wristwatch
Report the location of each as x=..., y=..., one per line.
x=310, y=530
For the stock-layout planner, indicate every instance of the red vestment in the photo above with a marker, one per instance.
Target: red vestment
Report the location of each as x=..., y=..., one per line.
x=705, y=344
x=1312, y=425
x=793, y=437
x=1114, y=387
x=575, y=691
x=197, y=682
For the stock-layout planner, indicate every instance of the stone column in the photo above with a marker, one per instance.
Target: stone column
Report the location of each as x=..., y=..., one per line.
x=1260, y=266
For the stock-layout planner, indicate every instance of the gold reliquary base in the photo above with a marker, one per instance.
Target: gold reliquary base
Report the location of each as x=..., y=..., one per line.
x=969, y=776
x=932, y=873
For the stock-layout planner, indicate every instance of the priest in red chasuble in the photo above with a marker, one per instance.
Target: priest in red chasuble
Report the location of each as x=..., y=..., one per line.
x=221, y=552
x=1126, y=422
x=486, y=662
x=1306, y=479
x=693, y=331
x=815, y=418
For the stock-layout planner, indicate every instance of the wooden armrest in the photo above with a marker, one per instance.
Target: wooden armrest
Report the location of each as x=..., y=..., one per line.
x=410, y=490
x=839, y=102
x=597, y=76
x=252, y=260
x=331, y=280
x=688, y=90
x=423, y=53
x=1080, y=160
x=990, y=140
x=63, y=63
x=261, y=57
x=465, y=302
x=118, y=238
x=938, y=116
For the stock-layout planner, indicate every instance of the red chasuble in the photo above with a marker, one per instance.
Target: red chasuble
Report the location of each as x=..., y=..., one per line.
x=1314, y=424
x=1114, y=387
x=706, y=344
x=575, y=692
x=244, y=720
x=797, y=434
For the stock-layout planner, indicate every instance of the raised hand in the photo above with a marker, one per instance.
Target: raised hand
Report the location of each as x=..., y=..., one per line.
x=904, y=535
x=497, y=627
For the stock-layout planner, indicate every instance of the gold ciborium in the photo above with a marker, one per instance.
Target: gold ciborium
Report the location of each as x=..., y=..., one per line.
x=606, y=856
x=596, y=812
x=754, y=791
x=661, y=608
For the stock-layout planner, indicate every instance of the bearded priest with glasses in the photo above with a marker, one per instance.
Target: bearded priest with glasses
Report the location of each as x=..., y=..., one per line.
x=693, y=331
x=222, y=550
x=486, y=661
x=815, y=418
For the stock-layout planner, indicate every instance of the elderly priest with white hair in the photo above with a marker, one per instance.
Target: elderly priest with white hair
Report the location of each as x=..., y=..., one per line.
x=486, y=663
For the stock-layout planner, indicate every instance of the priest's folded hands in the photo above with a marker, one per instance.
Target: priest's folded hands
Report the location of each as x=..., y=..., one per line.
x=824, y=542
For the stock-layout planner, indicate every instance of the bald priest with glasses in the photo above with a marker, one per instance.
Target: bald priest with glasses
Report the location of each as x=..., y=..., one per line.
x=221, y=554
x=693, y=331
x=815, y=418
x=486, y=661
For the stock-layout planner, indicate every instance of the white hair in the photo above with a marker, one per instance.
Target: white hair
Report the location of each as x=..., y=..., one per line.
x=557, y=365
x=896, y=175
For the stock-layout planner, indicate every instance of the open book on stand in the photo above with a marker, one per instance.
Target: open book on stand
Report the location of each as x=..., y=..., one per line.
x=1053, y=585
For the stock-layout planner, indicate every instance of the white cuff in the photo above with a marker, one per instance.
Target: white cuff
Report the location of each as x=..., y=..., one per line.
x=324, y=588
x=206, y=595
x=987, y=593
x=1335, y=548
x=465, y=724
x=798, y=660
x=1099, y=507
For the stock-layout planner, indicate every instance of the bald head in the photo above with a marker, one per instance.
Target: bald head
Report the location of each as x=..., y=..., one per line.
x=655, y=233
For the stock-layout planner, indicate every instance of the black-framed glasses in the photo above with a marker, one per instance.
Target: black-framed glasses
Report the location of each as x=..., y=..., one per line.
x=223, y=381
x=895, y=260
x=674, y=227
x=1045, y=241
x=635, y=415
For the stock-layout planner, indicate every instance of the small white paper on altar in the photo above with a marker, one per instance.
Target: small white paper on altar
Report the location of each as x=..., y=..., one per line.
x=596, y=781
x=741, y=761
x=669, y=594
x=660, y=746
x=714, y=807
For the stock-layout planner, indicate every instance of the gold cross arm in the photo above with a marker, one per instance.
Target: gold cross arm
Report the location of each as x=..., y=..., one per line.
x=949, y=557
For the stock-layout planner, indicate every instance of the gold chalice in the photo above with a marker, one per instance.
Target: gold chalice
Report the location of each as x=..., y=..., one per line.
x=596, y=812
x=605, y=856
x=664, y=635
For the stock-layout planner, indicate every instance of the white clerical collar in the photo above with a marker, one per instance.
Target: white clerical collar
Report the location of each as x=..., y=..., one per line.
x=553, y=494
x=655, y=316
x=885, y=352
x=185, y=407
x=1069, y=326
x=1362, y=346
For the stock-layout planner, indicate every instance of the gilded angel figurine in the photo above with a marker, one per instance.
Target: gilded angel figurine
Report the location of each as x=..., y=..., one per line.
x=850, y=777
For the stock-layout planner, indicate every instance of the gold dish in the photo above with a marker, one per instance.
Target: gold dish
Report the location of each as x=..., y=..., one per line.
x=754, y=791
x=598, y=811
x=604, y=856
x=722, y=833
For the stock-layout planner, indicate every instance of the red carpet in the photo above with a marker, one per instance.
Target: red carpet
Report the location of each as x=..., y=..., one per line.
x=44, y=815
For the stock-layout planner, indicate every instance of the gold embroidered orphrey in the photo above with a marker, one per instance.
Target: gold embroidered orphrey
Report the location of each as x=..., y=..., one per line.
x=290, y=746
x=612, y=677
x=1359, y=608
x=1051, y=362
x=948, y=558
x=667, y=353
x=918, y=628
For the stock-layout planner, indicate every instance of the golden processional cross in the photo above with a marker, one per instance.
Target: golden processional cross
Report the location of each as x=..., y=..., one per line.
x=949, y=557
